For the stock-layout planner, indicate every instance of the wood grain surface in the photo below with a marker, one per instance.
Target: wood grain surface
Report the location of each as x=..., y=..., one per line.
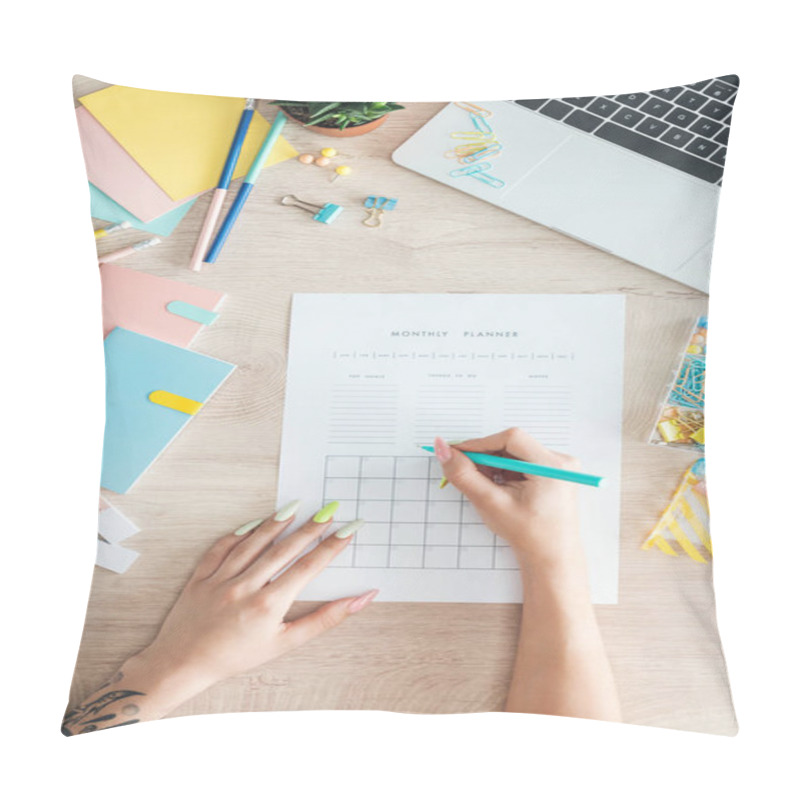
x=222, y=471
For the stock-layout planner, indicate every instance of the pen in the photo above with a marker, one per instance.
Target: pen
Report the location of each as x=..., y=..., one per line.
x=513, y=465
x=101, y=233
x=218, y=198
x=246, y=187
x=128, y=251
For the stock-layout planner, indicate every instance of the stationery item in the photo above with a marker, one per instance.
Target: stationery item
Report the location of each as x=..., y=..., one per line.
x=474, y=108
x=101, y=233
x=376, y=206
x=341, y=172
x=159, y=307
x=246, y=187
x=114, y=558
x=306, y=158
x=124, y=252
x=137, y=428
x=684, y=524
x=103, y=207
x=325, y=214
x=218, y=198
x=179, y=139
x=112, y=524
x=372, y=377
x=528, y=468
x=115, y=172
x=681, y=421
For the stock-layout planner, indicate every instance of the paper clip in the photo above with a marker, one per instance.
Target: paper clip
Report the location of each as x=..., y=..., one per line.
x=489, y=151
x=481, y=124
x=325, y=214
x=475, y=136
x=495, y=183
x=474, y=108
x=470, y=170
x=376, y=206
x=462, y=150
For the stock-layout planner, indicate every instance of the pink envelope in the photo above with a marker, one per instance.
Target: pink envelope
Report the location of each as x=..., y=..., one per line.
x=157, y=307
x=113, y=171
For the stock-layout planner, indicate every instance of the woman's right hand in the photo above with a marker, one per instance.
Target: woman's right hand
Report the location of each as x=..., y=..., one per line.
x=537, y=516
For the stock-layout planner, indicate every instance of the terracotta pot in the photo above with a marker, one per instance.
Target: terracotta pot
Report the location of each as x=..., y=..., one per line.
x=353, y=130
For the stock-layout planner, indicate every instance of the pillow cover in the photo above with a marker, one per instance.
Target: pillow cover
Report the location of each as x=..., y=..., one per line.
x=418, y=356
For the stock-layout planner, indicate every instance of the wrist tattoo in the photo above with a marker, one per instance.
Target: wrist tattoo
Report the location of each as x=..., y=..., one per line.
x=87, y=717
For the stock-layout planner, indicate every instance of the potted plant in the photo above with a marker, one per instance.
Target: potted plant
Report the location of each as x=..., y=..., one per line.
x=338, y=119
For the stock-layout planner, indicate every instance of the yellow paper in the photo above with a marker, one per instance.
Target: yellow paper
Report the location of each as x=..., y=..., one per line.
x=181, y=140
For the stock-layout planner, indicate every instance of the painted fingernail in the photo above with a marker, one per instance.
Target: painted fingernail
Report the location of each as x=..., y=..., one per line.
x=247, y=527
x=287, y=512
x=443, y=482
x=346, y=531
x=362, y=601
x=442, y=450
x=325, y=514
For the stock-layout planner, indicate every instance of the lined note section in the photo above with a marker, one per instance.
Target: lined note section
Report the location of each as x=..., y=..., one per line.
x=545, y=412
x=362, y=414
x=452, y=412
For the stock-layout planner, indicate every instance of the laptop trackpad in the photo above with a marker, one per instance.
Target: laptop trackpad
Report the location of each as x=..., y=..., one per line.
x=638, y=209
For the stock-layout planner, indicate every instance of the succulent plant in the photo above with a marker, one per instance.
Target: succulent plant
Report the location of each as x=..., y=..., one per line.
x=336, y=115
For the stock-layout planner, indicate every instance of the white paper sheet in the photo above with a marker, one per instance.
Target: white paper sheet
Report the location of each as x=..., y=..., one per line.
x=113, y=525
x=113, y=557
x=373, y=376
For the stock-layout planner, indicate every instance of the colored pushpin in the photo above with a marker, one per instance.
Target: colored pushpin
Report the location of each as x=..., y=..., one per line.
x=306, y=158
x=329, y=152
x=325, y=214
x=340, y=171
x=322, y=161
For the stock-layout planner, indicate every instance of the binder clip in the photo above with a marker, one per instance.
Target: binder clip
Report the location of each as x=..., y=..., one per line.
x=376, y=206
x=325, y=214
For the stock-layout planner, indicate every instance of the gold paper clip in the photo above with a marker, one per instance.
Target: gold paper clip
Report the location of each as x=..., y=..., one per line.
x=475, y=136
x=474, y=108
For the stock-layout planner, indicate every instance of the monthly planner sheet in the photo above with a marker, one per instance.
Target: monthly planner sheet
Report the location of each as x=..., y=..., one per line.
x=371, y=377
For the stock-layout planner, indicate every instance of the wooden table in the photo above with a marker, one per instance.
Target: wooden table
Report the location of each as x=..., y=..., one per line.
x=222, y=471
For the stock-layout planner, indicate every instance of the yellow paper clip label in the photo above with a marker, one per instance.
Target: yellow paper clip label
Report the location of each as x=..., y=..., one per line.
x=175, y=401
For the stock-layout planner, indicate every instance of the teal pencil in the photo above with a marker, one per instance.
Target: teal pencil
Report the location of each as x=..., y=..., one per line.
x=512, y=465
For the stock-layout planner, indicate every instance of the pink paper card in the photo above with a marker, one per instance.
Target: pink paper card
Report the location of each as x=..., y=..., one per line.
x=113, y=171
x=164, y=309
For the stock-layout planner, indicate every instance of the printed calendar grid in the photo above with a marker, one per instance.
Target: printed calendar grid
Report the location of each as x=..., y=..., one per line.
x=410, y=522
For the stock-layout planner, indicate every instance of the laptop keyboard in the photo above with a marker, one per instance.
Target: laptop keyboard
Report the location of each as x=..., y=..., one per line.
x=685, y=127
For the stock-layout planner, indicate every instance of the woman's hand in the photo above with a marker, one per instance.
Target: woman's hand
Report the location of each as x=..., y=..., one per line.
x=228, y=619
x=561, y=665
x=537, y=516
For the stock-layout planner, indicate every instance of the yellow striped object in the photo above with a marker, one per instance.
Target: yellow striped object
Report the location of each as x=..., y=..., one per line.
x=684, y=523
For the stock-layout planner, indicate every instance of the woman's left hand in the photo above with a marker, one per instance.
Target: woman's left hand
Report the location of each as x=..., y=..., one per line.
x=230, y=615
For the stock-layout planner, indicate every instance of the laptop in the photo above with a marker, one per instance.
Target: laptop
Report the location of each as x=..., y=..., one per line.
x=637, y=175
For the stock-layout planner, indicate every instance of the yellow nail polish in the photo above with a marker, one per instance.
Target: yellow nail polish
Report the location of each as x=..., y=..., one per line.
x=443, y=483
x=325, y=514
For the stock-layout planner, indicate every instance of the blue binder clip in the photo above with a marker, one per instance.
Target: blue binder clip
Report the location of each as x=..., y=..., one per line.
x=376, y=207
x=324, y=214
